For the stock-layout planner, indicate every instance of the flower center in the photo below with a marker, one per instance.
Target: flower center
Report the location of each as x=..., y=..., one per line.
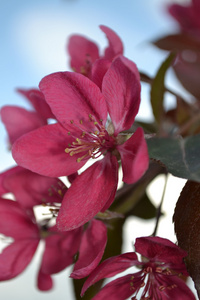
x=91, y=144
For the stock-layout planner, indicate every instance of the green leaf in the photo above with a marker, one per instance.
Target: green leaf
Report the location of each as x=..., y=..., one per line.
x=158, y=89
x=180, y=156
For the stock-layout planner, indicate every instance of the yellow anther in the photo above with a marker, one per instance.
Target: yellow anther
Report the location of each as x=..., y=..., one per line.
x=60, y=192
x=81, y=122
x=69, y=133
x=83, y=134
x=80, y=158
x=67, y=150
x=71, y=121
x=78, y=141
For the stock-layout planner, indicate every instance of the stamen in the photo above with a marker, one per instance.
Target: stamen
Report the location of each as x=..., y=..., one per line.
x=94, y=144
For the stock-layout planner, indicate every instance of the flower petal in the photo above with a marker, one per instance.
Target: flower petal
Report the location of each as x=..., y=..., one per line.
x=115, y=47
x=110, y=267
x=16, y=257
x=160, y=249
x=118, y=289
x=83, y=53
x=32, y=189
x=91, y=249
x=19, y=121
x=73, y=98
x=121, y=88
x=43, y=151
x=60, y=248
x=44, y=281
x=15, y=223
x=99, y=69
x=177, y=289
x=134, y=157
x=88, y=194
x=36, y=98
x=3, y=175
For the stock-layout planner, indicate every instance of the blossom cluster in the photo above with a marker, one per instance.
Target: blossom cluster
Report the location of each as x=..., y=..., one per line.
x=69, y=149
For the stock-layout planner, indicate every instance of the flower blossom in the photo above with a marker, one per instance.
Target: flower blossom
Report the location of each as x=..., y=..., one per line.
x=85, y=57
x=59, y=251
x=187, y=16
x=158, y=278
x=81, y=133
x=19, y=222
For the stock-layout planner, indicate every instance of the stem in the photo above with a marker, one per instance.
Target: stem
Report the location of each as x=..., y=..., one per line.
x=160, y=207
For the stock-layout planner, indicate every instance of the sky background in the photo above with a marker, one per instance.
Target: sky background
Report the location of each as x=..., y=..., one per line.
x=33, y=44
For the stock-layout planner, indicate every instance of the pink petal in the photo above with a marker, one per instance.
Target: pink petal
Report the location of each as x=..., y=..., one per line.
x=19, y=121
x=83, y=53
x=16, y=257
x=91, y=249
x=160, y=249
x=36, y=98
x=115, y=47
x=179, y=290
x=15, y=223
x=73, y=98
x=118, y=289
x=43, y=151
x=72, y=177
x=99, y=69
x=3, y=175
x=121, y=88
x=90, y=198
x=32, y=189
x=110, y=267
x=44, y=282
x=187, y=16
x=134, y=157
x=60, y=248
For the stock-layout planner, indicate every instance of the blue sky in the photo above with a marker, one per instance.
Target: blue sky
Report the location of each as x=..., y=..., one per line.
x=33, y=44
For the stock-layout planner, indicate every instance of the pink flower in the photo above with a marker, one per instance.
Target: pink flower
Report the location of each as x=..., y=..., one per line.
x=84, y=53
x=19, y=121
x=82, y=133
x=161, y=265
x=187, y=16
x=29, y=190
x=60, y=247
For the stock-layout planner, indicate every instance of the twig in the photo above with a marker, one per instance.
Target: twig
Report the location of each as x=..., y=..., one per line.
x=160, y=207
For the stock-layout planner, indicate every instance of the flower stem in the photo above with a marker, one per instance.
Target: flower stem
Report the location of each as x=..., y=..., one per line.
x=159, y=213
